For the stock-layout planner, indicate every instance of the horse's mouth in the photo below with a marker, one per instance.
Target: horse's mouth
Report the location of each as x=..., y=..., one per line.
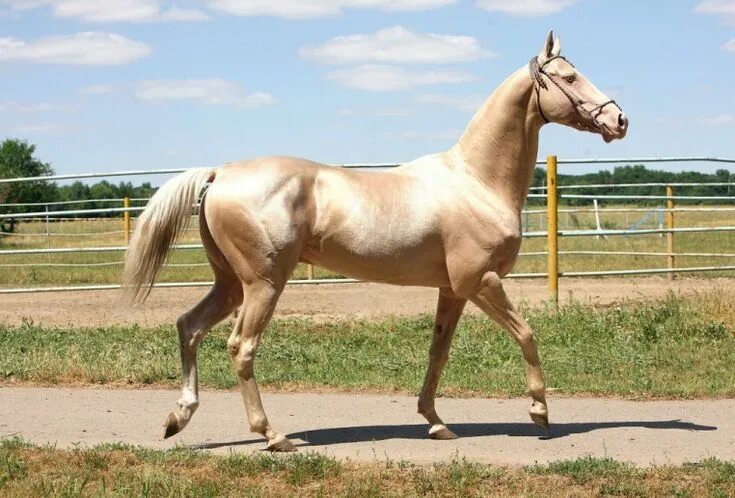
x=603, y=131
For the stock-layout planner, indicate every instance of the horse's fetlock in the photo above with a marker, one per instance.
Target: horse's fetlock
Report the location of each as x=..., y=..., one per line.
x=424, y=408
x=189, y=404
x=258, y=424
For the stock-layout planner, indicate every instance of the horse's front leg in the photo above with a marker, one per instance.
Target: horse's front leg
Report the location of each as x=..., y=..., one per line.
x=448, y=311
x=493, y=301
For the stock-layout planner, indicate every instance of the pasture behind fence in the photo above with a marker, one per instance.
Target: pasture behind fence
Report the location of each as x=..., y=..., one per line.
x=538, y=224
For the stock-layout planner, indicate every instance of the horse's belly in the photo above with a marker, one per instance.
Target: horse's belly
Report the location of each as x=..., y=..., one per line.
x=390, y=261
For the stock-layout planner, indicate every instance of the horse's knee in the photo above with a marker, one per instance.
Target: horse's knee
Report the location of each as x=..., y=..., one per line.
x=524, y=336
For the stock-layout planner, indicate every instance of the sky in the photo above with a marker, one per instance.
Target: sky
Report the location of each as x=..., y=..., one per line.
x=104, y=85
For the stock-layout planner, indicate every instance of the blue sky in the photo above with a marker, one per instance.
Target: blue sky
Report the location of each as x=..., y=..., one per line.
x=135, y=84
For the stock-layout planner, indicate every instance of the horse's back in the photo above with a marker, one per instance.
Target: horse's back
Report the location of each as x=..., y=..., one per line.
x=366, y=224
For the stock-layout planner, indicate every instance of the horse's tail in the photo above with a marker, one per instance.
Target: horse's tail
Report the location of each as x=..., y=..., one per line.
x=157, y=229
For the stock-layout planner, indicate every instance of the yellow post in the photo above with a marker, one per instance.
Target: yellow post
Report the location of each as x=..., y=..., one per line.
x=670, y=226
x=126, y=220
x=310, y=271
x=552, y=224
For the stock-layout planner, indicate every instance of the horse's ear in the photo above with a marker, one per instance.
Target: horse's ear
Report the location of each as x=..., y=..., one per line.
x=556, y=51
x=548, y=51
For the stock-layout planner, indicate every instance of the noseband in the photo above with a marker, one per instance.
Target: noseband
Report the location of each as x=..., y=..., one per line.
x=538, y=72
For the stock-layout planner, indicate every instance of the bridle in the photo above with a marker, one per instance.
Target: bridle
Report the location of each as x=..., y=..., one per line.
x=537, y=73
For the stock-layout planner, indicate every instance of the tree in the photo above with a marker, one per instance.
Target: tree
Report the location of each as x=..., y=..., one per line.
x=16, y=160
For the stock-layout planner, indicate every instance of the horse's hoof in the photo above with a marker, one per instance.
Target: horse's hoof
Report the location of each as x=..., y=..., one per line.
x=172, y=426
x=280, y=444
x=441, y=432
x=540, y=419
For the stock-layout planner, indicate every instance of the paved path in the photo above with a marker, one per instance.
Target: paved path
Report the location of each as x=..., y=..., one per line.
x=369, y=427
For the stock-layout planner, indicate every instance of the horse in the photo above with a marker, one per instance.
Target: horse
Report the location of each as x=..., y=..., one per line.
x=449, y=220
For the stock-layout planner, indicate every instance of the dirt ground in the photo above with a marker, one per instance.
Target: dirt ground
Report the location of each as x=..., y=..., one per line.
x=103, y=308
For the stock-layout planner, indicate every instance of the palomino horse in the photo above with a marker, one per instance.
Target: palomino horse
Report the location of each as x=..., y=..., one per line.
x=449, y=220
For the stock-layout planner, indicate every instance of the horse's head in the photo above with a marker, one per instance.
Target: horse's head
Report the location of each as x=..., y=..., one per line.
x=565, y=96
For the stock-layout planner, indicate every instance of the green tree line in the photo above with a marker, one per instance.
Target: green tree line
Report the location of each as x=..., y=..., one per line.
x=639, y=174
x=17, y=159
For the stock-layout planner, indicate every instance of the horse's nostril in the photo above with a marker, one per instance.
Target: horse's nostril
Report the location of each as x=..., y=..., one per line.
x=622, y=120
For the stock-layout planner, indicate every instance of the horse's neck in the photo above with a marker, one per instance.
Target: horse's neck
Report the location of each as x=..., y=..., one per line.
x=500, y=144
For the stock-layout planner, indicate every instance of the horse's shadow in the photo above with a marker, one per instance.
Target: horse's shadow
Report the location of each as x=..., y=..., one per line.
x=368, y=433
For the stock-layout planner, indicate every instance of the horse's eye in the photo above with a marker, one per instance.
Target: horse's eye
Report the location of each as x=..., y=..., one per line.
x=570, y=79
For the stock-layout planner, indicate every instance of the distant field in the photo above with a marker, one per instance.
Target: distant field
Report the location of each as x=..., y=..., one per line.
x=105, y=268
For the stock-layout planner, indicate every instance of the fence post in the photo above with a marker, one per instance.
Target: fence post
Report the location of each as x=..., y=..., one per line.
x=552, y=223
x=48, y=234
x=310, y=271
x=597, y=220
x=670, y=226
x=126, y=219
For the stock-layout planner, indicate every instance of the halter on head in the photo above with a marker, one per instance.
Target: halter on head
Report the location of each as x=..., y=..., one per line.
x=537, y=75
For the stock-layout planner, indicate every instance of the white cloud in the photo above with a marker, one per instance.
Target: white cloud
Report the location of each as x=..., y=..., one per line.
x=181, y=15
x=87, y=48
x=729, y=46
x=724, y=9
x=23, y=4
x=380, y=78
x=310, y=9
x=206, y=91
x=526, y=8
x=397, y=45
x=465, y=103
x=717, y=120
x=15, y=107
x=96, y=89
x=111, y=10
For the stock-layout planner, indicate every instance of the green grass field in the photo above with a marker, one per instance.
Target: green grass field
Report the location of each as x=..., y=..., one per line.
x=105, y=268
x=120, y=470
x=675, y=348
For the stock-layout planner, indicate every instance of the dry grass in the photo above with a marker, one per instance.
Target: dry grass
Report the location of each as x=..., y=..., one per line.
x=119, y=470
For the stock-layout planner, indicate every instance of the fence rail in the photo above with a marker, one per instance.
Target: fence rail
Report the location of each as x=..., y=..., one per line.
x=551, y=192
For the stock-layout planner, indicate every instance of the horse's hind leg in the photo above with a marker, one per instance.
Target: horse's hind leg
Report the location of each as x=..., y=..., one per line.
x=448, y=311
x=225, y=295
x=260, y=302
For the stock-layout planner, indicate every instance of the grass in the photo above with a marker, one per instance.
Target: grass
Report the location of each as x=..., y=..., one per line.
x=108, y=232
x=677, y=347
x=121, y=470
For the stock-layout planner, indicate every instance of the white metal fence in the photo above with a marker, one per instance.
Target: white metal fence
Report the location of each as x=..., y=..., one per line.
x=47, y=212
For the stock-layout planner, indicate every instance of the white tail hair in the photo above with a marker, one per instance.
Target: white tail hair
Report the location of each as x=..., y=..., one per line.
x=157, y=229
